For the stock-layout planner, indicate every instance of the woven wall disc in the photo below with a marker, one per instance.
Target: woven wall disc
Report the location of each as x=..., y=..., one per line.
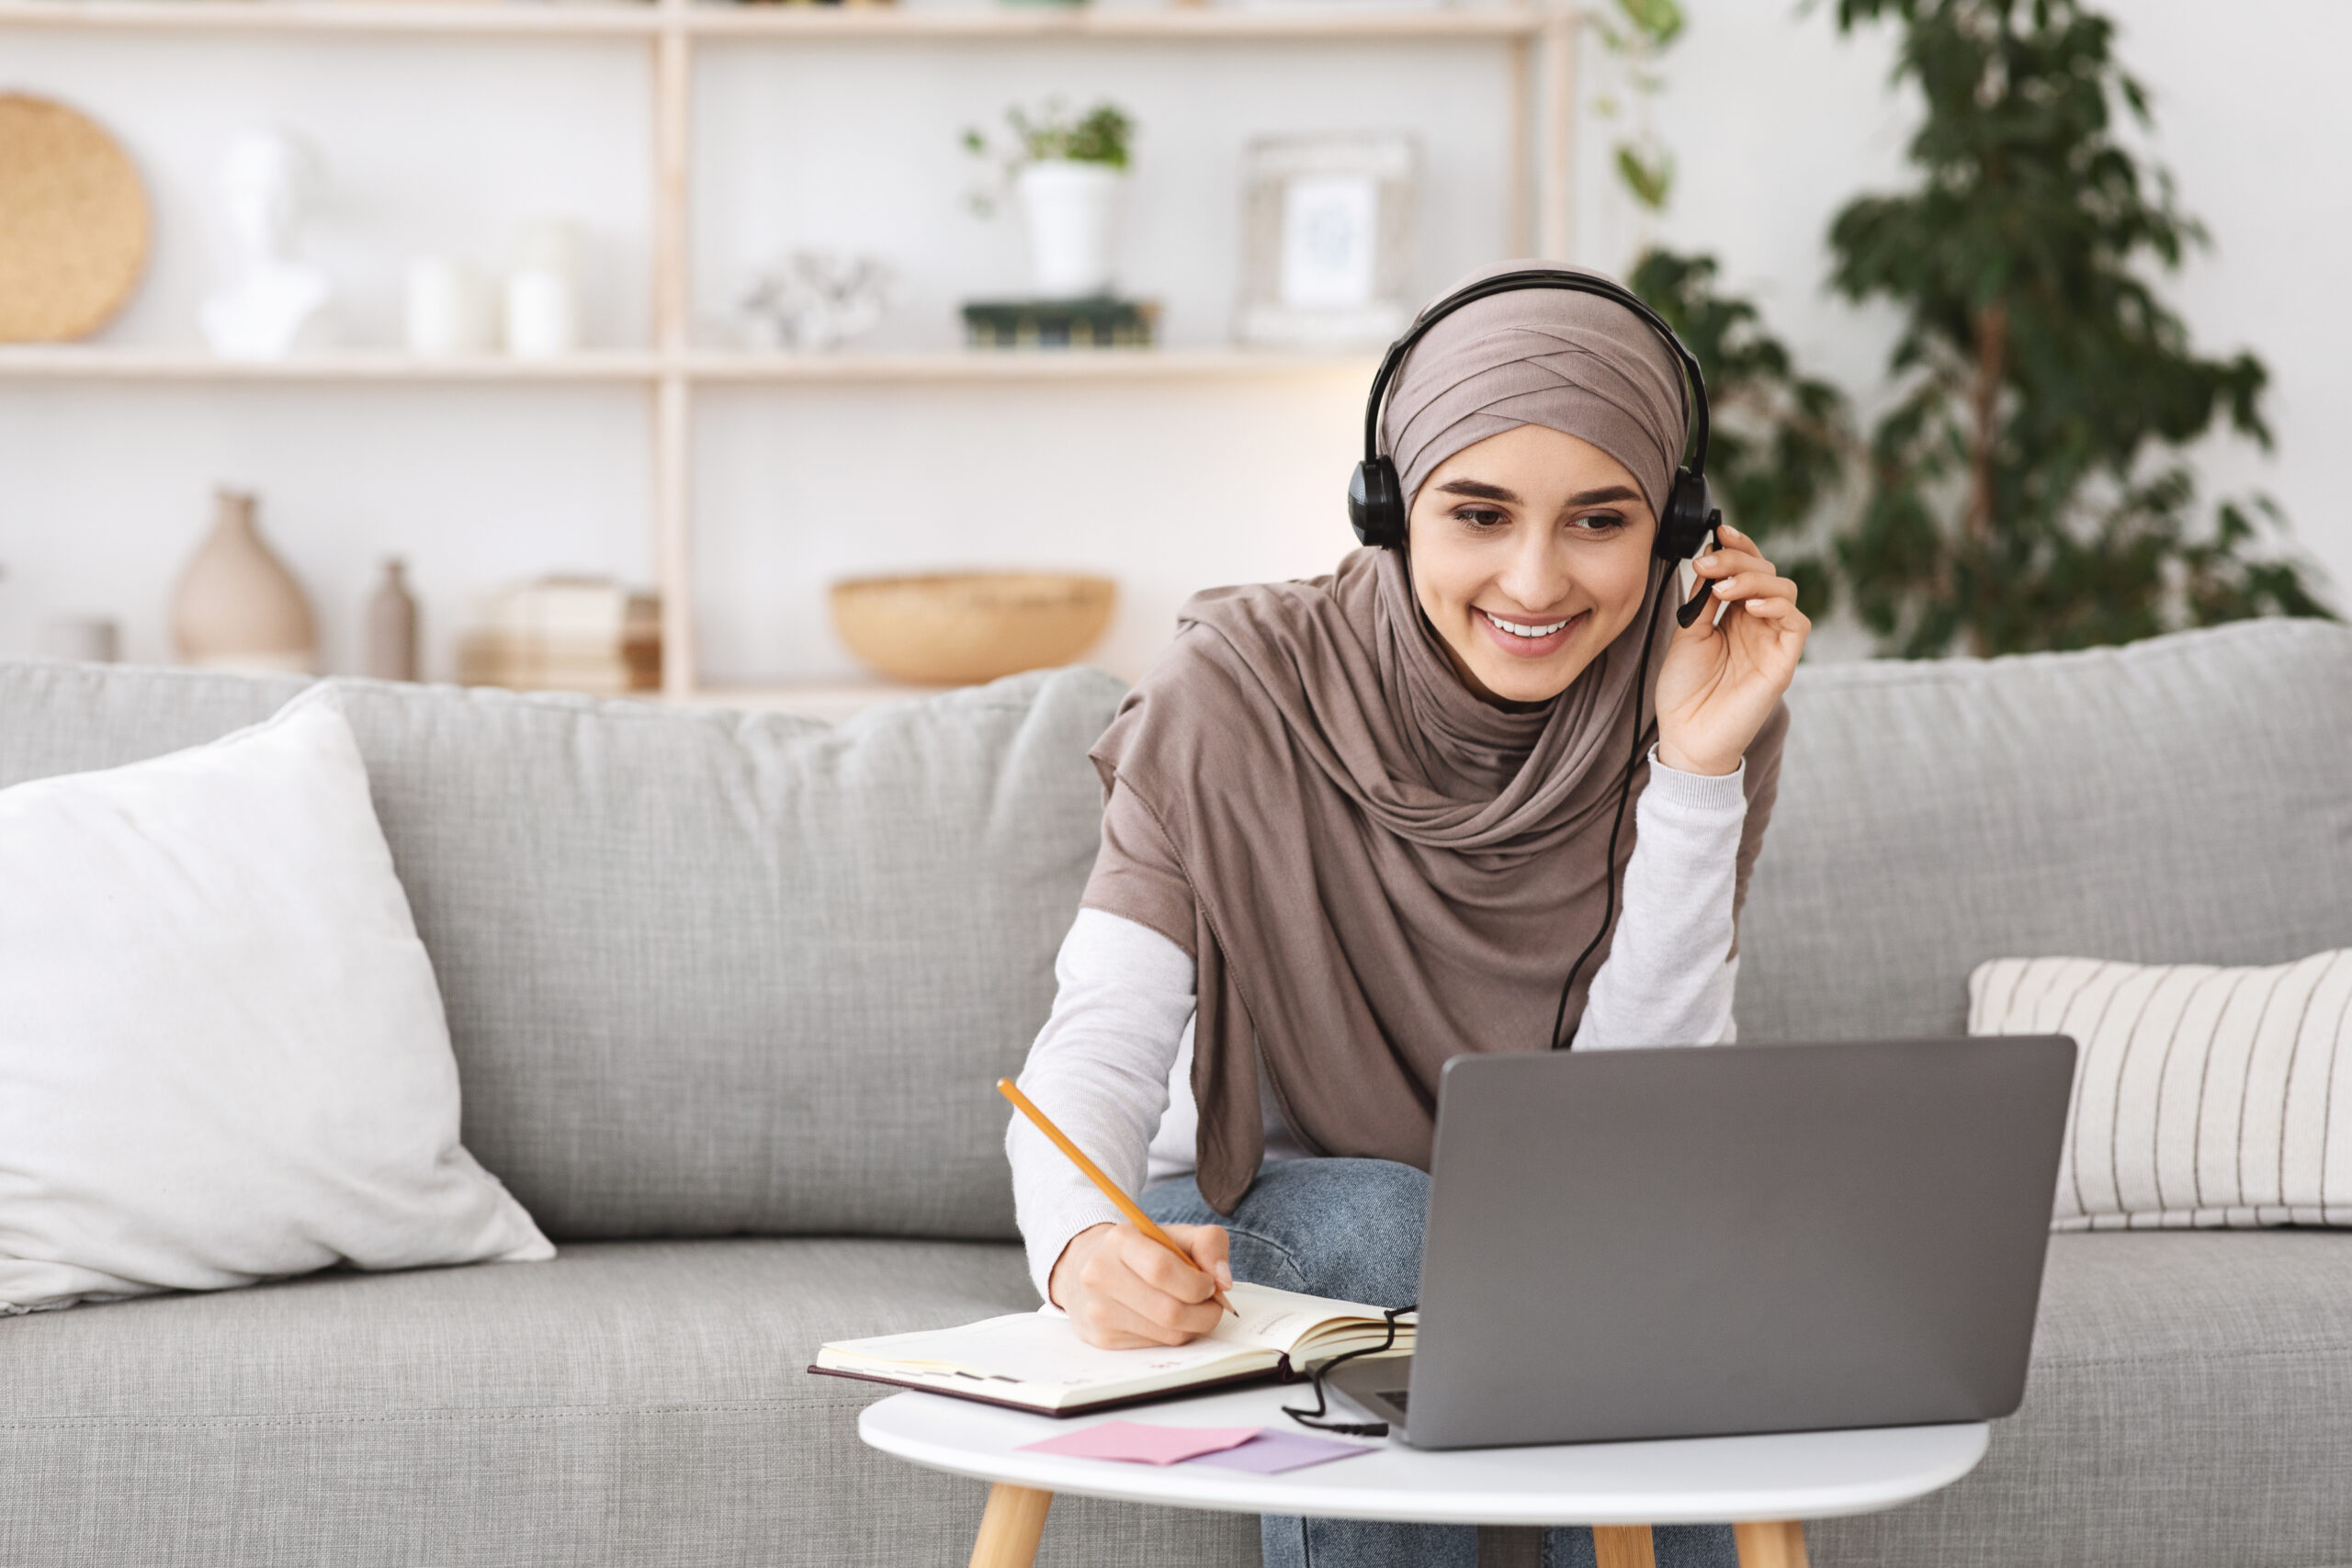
x=74, y=223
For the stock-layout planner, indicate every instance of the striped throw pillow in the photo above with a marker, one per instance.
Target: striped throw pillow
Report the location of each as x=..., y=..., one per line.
x=2203, y=1096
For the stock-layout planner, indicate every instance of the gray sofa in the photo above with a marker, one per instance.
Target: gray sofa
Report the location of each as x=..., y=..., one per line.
x=728, y=993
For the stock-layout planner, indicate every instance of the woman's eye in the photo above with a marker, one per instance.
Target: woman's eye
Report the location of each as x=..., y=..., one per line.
x=1598, y=521
x=1481, y=516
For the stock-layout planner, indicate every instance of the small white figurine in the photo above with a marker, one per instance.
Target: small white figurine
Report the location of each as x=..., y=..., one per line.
x=273, y=302
x=816, y=300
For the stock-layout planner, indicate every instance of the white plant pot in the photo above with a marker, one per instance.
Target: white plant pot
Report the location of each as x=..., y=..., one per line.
x=1073, y=213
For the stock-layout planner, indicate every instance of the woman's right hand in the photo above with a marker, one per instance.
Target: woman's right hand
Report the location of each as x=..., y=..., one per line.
x=1124, y=1290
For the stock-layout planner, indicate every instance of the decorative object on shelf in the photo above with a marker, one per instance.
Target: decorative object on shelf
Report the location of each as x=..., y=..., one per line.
x=1328, y=226
x=543, y=291
x=391, y=627
x=448, y=309
x=1061, y=323
x=816, y=300
x=950, y=628
x=237, y=607
x=1070, y=175
x=75, y=224
x=92, y=640
x=566, y=634
x=274, y=303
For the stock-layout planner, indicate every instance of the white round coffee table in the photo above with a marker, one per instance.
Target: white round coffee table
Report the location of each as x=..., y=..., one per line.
x=1765, y=1485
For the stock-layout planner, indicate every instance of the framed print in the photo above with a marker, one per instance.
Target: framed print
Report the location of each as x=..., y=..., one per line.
x=1328, y=237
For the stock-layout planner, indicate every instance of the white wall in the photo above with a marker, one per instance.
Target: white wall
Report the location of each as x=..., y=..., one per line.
x=434, y=145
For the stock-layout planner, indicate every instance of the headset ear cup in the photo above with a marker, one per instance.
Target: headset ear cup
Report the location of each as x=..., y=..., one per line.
x=1375, y=504
x=1690, y=513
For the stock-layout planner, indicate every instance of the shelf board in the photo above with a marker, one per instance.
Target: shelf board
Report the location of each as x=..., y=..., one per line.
x=63, y=363
x=1178, y=23
x=812, y=24
x=1019, y=365
x=467, y=17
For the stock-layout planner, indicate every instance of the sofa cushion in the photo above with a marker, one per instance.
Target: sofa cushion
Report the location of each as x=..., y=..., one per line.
x=638, y=1403
x=223, y=1054
x=706, y=973
x=2184, y=800
x=2190, y=1404
x=2205, y=1098
x=642, y=1403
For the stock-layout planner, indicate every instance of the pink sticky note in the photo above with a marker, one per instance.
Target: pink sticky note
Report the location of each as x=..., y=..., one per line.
x=1273, y=1451
x=1140, y=1444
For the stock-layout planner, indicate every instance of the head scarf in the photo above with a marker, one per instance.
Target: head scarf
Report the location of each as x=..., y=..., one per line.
x=1374, y=868
x=1580, y=364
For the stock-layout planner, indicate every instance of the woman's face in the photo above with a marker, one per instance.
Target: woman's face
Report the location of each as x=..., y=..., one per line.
x=1531, y=551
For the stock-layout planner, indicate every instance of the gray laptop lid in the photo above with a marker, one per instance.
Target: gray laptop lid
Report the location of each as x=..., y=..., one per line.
x=1677, y=1243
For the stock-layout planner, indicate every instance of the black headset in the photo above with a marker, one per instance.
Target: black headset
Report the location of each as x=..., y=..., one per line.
x=1376, y=499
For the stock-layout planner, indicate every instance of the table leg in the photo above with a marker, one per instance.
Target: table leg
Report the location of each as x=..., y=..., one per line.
x=1008, y=1531
x=1776, y=1544
x=1625, y=1546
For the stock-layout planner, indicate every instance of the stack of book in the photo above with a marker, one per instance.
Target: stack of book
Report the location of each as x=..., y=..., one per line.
x=566, y=634
x=1103, y=322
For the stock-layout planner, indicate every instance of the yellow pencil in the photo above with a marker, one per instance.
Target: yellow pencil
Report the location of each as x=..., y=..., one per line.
x=1136, y=1216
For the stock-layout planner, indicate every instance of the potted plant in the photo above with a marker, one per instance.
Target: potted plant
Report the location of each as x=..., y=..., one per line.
x=1070, y=173
x=2032, y=488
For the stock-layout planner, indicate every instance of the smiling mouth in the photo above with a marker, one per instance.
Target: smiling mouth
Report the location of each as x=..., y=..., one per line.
x=1529, y=629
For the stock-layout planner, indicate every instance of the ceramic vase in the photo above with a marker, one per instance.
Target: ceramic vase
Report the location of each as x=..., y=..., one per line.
x=237, y=607
x=391, y=627
x=1072, y=210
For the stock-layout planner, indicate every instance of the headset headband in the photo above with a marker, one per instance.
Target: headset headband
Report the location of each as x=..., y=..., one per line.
x=1695, y=391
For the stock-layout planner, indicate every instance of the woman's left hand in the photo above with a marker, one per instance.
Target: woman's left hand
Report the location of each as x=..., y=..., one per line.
x=1720, y=682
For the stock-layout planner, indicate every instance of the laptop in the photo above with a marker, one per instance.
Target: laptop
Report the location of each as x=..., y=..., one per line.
x=1745, y=1238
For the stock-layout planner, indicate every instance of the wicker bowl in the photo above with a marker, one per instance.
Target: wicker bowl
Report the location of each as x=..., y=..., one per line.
x=952, y=628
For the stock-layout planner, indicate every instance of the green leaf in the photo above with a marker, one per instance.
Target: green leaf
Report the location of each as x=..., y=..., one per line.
x=1650, y=178
x=1661, y=21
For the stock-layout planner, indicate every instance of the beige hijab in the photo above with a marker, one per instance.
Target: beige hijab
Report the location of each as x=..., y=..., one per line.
x=1374, y=868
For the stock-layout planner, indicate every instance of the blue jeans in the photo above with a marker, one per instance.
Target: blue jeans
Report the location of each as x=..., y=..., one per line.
x=1352, y=1228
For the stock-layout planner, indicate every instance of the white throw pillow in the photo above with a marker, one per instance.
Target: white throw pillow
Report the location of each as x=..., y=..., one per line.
x=2203, y=1096
x=223, y=1053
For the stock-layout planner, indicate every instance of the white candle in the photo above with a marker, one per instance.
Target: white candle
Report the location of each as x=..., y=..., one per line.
x=446, y=313
x=542, y=314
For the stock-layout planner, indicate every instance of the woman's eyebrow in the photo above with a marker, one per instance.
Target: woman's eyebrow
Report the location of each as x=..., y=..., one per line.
x=1479, y=489
x=1607, y=492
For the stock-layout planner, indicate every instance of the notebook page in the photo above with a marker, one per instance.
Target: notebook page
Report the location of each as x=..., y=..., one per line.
x=1026, y=1348
x=1281, y=1319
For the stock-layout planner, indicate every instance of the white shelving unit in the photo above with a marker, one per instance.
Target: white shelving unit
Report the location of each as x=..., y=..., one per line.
x=1537, y=37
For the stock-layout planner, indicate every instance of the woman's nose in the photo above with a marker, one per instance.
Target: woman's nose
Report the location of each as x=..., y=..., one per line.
x=1534, y=577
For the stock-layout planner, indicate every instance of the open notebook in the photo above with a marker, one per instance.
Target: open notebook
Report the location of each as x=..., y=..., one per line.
x=1035, y=1361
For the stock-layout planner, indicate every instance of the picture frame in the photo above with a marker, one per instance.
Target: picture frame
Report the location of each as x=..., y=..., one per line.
x=1327, y=232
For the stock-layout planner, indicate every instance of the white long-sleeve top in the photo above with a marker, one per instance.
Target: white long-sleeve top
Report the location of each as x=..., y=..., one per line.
x=1114, y=1065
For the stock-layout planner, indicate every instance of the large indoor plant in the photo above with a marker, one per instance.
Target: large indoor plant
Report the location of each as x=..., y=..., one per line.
x=1070, y=173
x=2027, y=489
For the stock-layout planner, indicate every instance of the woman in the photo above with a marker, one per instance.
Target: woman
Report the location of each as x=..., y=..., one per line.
x=1357, y=824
